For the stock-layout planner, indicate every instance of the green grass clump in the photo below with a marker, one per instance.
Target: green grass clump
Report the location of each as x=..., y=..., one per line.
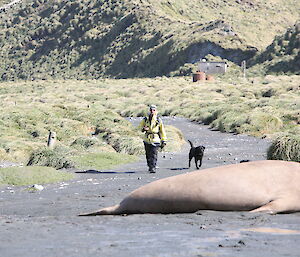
x=122, y=144
x=175, y=139
x=104, y=160
x=286, y=147
x=85, y=143
x=57, y=158
x=21, y=176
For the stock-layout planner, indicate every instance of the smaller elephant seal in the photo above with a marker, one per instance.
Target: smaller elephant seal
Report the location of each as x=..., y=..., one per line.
x=258, y=186
x=196, y=153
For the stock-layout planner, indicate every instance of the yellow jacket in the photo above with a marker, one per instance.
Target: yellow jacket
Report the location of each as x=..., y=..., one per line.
x=156, y=133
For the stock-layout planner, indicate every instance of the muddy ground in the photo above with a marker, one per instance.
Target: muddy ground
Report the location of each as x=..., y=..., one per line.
x=45, y=223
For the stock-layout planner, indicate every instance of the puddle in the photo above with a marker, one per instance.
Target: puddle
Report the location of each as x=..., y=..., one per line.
x=272, y=230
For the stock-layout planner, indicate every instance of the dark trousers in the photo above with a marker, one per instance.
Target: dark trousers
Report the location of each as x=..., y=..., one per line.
x=151, y=155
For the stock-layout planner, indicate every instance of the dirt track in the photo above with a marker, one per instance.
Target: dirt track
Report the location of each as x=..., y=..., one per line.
x=45, y=223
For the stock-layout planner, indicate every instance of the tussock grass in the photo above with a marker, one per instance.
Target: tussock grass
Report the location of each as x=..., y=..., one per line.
x=175, y=139
x=57, y=158
x=285, y=147
x=21, y=176
x=85, y=142
x=88, y=122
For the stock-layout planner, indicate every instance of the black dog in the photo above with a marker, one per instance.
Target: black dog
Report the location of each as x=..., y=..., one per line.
x=197, y=153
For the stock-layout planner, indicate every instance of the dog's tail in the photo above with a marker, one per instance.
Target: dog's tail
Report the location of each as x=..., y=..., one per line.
x=191, y=143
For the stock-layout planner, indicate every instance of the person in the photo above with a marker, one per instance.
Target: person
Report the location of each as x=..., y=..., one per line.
x=155, y=136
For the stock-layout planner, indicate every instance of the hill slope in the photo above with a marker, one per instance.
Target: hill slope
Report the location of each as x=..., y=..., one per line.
x=95, y=38
x=283, y=55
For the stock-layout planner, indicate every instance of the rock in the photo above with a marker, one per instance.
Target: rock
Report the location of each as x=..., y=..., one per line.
x=38, y=187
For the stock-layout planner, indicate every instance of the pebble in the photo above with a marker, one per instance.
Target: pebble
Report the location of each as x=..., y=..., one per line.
x=38, y=187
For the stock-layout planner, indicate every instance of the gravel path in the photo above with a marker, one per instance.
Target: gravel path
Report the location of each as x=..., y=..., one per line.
x=44, y=223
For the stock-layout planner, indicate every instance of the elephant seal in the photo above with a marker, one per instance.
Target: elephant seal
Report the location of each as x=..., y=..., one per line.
x=259, y=186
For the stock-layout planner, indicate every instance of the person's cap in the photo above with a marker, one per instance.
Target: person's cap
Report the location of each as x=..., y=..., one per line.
x=152, y=107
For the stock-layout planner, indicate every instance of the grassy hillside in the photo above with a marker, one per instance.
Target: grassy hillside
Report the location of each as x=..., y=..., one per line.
x=76, y=112
x=256, y=22
x=283, y=55
x=87, y=115
x=83, y=39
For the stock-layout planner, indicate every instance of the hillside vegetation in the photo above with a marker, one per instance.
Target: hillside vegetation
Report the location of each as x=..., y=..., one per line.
x=85, y=126
x=88, y=116
x=42, y=39
x=283, y=55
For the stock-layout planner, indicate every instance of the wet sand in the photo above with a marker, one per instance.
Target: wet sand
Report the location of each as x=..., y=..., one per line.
x=45, y=223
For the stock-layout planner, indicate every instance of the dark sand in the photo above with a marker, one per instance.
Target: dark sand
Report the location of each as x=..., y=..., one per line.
x=45, y=223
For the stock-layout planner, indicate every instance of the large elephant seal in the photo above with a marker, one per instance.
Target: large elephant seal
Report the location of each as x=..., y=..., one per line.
x=261, y=186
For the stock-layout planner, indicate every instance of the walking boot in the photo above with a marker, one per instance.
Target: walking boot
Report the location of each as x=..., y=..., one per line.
x=152, y=170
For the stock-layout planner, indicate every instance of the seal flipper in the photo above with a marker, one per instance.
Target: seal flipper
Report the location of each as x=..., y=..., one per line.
x=267, y=208
x=113, y=210
x=276, y=206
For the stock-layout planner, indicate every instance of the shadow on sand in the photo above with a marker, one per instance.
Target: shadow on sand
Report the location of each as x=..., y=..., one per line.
x=179, y=168
x=103, y=172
